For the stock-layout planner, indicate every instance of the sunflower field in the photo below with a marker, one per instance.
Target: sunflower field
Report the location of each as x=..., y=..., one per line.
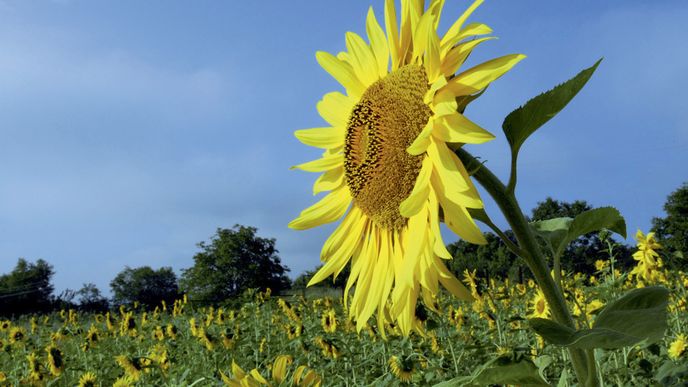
x=306, y=340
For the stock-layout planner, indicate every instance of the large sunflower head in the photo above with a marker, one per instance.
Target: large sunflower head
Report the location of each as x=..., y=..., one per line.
x=388, y=158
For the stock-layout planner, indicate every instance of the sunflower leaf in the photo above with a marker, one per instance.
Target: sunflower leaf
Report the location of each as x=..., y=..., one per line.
x=525, y=120
x=640, y=315
x=506, y=369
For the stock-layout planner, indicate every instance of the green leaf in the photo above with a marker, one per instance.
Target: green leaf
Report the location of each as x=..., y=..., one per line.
x=559, y=232
x=525, y=120
x=507, y=369
x=640, y=315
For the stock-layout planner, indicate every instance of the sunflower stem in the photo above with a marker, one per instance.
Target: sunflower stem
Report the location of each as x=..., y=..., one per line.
x=532, y=255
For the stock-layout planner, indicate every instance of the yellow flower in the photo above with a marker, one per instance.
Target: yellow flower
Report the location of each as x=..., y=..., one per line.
x=677, y=347
x=131, y=367
x=329, y=321
x=55, y=360
x=539, y=305
x=403, y=370
x=306, y=377
x=17, y=335
x=601, y=264
x=649, y=264
x=329, y=349
x=389, y=161
x=88, y=379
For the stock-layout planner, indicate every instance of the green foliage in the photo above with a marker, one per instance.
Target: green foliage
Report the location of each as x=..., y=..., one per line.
x=508, y=369
x=145, y=286
x=525, y=120
x=235, y=260
x=580, y=254
x=91, y=300
x=490, y=260
x=560, y=232
x=672, y=230
x=27, y=288
x=640, y=315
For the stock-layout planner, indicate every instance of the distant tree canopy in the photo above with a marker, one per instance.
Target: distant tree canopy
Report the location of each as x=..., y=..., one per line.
x=495, y=259
x=235, y=260
x=672, y=230
x=91, y=300
x=27, y=289
x=143, y=284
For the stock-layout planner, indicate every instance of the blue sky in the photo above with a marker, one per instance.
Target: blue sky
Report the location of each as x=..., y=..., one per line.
x=130, y=131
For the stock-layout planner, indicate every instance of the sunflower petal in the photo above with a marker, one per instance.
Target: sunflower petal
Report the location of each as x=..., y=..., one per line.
x=329, y=180
x=456, y=128
x=325, y=163
x=460, y=222
x=327, y=210
x=392, y=32
x=362, y=59
x=455, y=29
x=457, y=55
x=342, y=72
x=419, y=196
x=477, y=78
x=445, y=166
x=451, y=283
x=420, y=144
x=378, y=42
x=321, y=137
x=335, y=108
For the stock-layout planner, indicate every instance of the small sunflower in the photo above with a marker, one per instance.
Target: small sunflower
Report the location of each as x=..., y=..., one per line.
x=539, y=305
x=88, y=379
x=402, y=369
x=55, y=360
x=388, y=158
x=132, y=367
x=677, y=347
x=329, y=321
x=17, y=335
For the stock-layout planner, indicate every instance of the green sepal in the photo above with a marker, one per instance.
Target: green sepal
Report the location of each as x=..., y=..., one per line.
x=640, y=315
x=525, y=120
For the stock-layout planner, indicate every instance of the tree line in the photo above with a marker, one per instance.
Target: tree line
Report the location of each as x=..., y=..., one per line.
x=237, y=259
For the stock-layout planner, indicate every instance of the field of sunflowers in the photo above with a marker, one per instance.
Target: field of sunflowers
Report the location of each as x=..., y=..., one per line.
x=307, y=340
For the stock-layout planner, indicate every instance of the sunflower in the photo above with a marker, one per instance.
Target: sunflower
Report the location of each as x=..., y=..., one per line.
x=677, y=347
x=132, y=367
x=329, y=321
x=539, y=305
x=55, y=360
x=88, y=379
x=403, y=370
x=17, y=335
x=388, y=158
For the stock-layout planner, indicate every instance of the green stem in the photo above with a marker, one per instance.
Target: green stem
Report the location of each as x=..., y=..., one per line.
x=533, y=257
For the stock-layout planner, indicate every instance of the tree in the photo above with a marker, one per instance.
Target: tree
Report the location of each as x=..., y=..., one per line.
x=27, y=289
x=90, y=299
x=672, y=230
x=581, y=254
x=491, y=260
x=147, y=286
x=234, y=261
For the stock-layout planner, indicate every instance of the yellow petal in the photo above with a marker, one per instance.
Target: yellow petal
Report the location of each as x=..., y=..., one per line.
x=362, y=59
x=456, y=128
x=237, y=371
x=342, y=72
x=445, y=165
x=378, y=42
x=444, y=103
x=431, y=58
x=392, y=32
x=457, y=55
x=321, y=137
x=258, y=377
x=335, y=108
x=327, y=210
x=455, y=29
x=279, y=367
x=421, y=189
x=448, y=190
x=420, y=35
x=326, y=163
x=477, y=78
x=330, y=180
x=421, y=143
x=460, y=222
x=438, y=246
x=375, y=293
x=453, y=285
